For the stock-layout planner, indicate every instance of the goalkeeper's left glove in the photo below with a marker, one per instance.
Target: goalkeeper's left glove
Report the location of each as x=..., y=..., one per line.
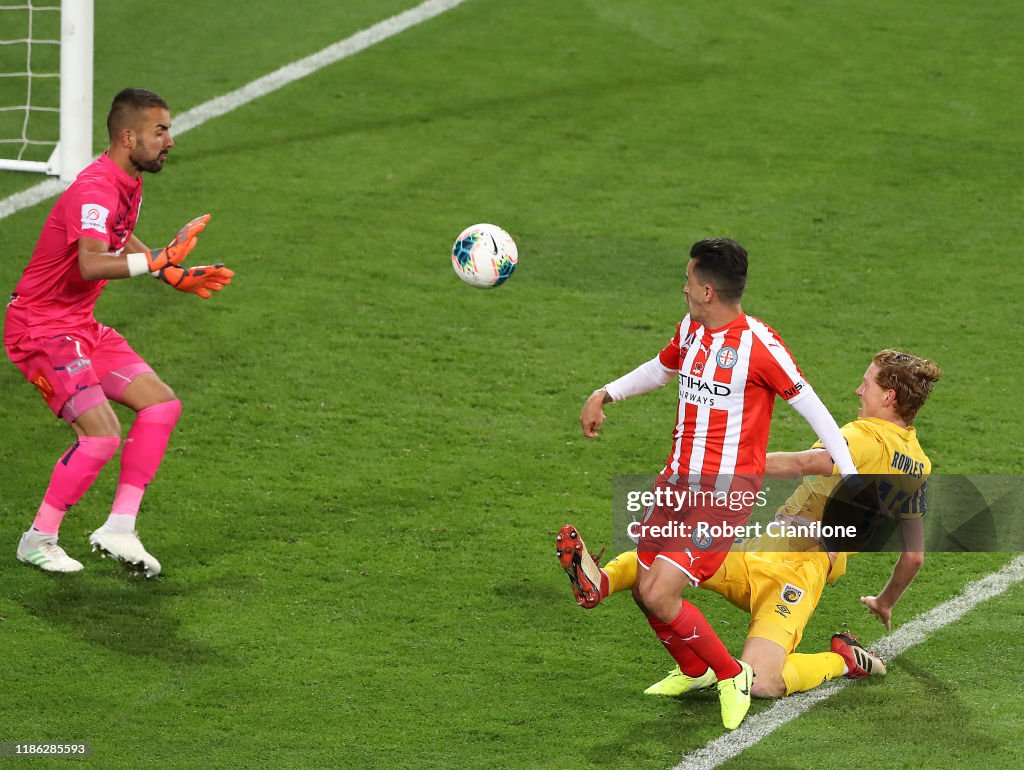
x=197, y=280
x=173, y=254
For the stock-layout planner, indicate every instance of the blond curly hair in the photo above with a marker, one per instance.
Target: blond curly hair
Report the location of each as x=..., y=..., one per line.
x=910, y=376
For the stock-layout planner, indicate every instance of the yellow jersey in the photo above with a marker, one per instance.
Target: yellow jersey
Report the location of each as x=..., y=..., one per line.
x=878, y=448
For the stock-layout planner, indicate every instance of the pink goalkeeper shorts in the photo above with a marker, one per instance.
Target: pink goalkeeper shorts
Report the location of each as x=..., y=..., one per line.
x=79, y=369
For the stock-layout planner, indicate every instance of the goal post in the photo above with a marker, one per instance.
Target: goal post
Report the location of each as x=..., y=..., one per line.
x=74, y=152
x=72, y=147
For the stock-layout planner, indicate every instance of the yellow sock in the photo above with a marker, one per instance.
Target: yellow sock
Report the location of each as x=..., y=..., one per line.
x=805, y=672
x=621, y=572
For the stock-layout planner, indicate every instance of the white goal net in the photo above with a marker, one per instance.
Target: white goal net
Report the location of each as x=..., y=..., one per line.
x=46, y=86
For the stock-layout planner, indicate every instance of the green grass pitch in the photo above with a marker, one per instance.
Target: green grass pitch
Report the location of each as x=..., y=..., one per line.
x=356, y=513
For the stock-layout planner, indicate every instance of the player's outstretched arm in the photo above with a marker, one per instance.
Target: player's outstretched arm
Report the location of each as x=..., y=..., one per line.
x=903, y=572
x=810, y=407
x=197, y=280
x=645, y=378
x=787, y=465
x=96, y=261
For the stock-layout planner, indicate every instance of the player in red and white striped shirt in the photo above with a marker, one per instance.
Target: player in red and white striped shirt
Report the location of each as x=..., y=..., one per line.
x=730, y=367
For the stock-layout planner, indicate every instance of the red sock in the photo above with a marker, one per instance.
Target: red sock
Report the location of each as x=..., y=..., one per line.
x=687, y=659
x=694, y=631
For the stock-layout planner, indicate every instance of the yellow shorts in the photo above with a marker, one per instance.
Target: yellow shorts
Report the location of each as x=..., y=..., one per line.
x=779, y=590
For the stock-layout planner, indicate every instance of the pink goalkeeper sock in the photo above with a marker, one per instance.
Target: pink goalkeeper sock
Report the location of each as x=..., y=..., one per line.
x=127, y=500
x=143, y=451
x=73, y=474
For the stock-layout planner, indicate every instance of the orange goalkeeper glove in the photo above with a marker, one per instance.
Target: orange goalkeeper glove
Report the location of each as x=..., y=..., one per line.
x=197, y=280
x=173, y=254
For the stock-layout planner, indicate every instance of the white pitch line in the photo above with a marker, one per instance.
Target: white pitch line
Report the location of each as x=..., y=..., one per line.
x=906, y=636
x=287, y=74
x=30, y=197
x=299, y=69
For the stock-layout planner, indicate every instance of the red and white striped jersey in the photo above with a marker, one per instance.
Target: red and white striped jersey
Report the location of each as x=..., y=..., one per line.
x=728, y=380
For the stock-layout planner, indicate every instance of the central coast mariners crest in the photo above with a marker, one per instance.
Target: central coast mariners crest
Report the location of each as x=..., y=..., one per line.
x=791, y=594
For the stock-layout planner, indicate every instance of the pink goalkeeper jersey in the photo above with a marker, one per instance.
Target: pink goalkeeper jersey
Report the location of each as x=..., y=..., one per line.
x=102, y=203
x=728, y=380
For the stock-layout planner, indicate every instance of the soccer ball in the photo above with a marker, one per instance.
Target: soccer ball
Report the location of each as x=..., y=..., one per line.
x=484, y=256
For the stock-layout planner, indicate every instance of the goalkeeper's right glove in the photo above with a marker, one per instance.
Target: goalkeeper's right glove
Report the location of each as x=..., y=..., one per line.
x=173, y=254
x=197, y=280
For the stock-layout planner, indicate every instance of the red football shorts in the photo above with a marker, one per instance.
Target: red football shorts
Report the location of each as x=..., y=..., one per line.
x=691, y=527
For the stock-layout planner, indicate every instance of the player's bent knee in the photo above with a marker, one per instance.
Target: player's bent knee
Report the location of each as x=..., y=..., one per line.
x=102, y=448
x=145, y=390
x=654, y=601
x=167, y=412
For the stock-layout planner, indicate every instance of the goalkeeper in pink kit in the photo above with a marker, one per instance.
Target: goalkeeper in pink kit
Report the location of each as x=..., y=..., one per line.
x=79, y=365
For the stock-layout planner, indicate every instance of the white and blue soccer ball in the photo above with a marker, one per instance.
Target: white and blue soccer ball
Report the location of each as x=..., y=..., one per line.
x=484, y=256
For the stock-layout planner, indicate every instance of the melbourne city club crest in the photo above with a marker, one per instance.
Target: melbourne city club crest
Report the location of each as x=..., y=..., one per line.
x=727, y=357
x=702, y=540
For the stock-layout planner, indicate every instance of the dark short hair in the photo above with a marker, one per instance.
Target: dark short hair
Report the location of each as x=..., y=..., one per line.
x=127, y=105
x=723, y=263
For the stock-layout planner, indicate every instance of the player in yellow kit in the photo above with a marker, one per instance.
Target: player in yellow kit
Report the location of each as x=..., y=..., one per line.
x=780, y=580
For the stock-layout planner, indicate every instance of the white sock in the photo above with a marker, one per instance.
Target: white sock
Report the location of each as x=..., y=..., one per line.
x=120, y=522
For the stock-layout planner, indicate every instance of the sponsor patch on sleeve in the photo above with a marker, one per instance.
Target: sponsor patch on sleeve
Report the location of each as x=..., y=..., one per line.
x=794, y=391
x=94, y=217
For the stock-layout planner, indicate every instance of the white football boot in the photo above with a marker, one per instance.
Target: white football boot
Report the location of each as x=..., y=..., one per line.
x=126, y=548
x=42, y=551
